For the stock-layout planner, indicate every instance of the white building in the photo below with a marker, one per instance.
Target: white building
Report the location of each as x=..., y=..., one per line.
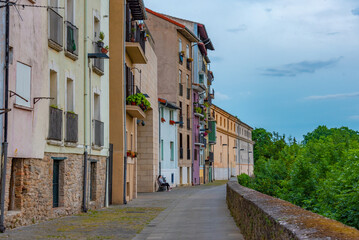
x=168, y=142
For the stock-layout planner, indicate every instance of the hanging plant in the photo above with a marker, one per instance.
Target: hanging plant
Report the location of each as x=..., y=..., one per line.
x=128, y=153
x=190, y=59
x=172, y=122
x=163, y=120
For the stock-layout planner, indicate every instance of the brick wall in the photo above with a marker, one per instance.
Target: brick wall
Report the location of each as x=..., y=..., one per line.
x=260, y=216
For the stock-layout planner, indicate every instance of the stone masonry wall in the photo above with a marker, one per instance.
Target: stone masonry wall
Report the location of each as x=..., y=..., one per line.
x=260, y=216
x=34, y=188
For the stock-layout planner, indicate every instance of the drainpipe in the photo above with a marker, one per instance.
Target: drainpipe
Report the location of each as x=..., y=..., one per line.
x=124, y=107
x=5, y=143
x=159, y=137
x=84, y=205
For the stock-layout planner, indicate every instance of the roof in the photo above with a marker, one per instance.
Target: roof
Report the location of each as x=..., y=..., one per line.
x=238, y=120
x=181, y=28
x=168, y=104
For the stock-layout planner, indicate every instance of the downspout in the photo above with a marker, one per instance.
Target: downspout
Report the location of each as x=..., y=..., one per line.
x=5, y=143
x=86, y=60
x=228, y=148
x=124, y=107
x=159, y=138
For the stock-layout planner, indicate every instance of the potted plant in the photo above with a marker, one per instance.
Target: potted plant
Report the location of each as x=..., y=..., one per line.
x=172, y=122
x=104, y=50
x=163, y=120
x=182, y=53
x=128, y=153
x=190, y=59
x=100, y=42
x=133, y=154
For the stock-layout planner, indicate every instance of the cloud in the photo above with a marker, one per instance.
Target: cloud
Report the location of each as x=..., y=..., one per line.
x=221, y=96
x=294, y=69
x=268, y=9
x=355, y=11
x=333, y=96
x=333, y=33
x=216, y=59
x=240, y=28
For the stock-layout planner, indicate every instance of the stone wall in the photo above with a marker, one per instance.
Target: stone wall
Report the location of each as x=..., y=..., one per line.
x=33, y=188
x=260, y=216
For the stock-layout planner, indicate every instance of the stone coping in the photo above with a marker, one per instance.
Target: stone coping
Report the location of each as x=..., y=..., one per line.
x=260, y=216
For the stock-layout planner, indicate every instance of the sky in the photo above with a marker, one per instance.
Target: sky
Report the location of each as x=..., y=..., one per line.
x=286, y=66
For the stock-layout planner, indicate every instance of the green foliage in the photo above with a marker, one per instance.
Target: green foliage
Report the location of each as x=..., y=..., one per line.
x=139, y=99
x=320, y=174
x=198, y=110
x=101, y=36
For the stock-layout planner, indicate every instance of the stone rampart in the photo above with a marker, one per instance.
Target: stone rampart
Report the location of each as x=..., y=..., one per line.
x=260, y=216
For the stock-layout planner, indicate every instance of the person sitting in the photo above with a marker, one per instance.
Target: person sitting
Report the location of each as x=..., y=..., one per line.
x=163, y=183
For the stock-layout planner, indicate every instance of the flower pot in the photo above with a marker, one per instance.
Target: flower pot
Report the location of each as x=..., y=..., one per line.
x=100, y=44
x=104, y=50
x=133, y=103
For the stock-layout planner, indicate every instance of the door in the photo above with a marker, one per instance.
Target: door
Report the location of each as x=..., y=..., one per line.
x=55, y=184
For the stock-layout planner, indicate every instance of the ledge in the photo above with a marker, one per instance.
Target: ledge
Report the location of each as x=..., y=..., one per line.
x=135, y=112
x=57, y=47
x=260, y=216
x=71, y=55
x=198, y=115
x=97, y=148
x=54, y=142
x=135, y=52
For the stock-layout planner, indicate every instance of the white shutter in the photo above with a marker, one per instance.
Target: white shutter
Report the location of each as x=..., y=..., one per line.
x=23, y=84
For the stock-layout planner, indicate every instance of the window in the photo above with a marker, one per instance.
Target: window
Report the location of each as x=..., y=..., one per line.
x=23, y=84
x=162, y=150
x=220, y=140
x=195, y=154
x=180, y=76
x=187, y=51
x=224, y=123
x=96, y=106
x=69, y=95
x=172, y=178
x=162, y=112
x=220, y=121
x=53, y=88
x=179, y=45
x=96, y=28
x=171, y=115
x=93, y=184
x=181, y=143
x=188, y=81
x=172, y=151
x=220, y=157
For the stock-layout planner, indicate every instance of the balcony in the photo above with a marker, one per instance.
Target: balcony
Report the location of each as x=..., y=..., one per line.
x=55, y=30
x=181, y=120
x=135, y=112
x=212, y=134
x=181, y=153
x=180, y=89
x=211, y=157
x=188, y=154
x=98, y=64
x=189, y=65
x=188, y=124
x=71, y=127
x=55, y=124
x=98, y=129
x=136, y=43
x=188, y=93
x=72, y=36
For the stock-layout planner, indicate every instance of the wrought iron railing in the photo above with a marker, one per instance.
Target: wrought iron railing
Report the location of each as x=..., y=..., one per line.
x=189, y=65
x=98, y=63
x=72, y=36
x=55, y=124
x=135, y=34
x=55, y=33
x=180, y=89
x=211, y=157
x=98, y=133
x=71, y=127
x=181, y=121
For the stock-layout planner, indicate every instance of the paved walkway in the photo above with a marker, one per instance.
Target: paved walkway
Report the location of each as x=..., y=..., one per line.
x=200, y=214
x=190, y=213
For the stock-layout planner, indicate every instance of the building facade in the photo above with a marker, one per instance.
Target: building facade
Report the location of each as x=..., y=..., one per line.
x=231, y=146
x=175, y=80
x=168, y=142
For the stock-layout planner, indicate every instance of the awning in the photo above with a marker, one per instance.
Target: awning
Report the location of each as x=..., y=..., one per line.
x=202, y=48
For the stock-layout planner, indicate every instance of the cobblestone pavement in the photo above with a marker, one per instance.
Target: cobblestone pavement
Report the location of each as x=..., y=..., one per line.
x=125, y=221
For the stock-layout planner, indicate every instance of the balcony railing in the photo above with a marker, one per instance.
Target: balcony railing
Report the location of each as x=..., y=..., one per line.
x=136, y=34
x=98, y=133
x=181, y=120
x=71, y=127
x=98, y=64
x=188, y=93
x=72, y=36
x=212, y=134
x=203, y=140
x=188, y=123
x=55, y=124
x=188, y=154
x=189, y=65
x=181, y=153
x=180, y=89
x=211, y=157
x=55, y=32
